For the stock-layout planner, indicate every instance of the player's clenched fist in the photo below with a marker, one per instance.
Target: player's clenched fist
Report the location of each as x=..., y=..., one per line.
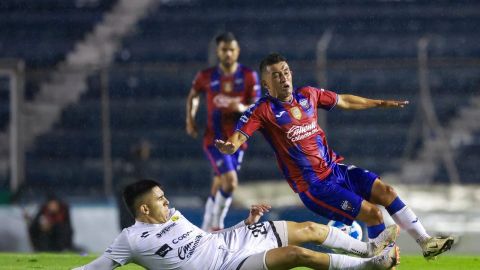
x=256, y=212
x=225, y=147
x=393, y=103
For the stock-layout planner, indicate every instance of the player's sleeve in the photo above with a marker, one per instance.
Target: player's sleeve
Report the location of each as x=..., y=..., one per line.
x=325, y=99
x=120, y=250
x=236, y=226
x=250, y=121
x=198, y=83
x=101, y=262
x=253, y=91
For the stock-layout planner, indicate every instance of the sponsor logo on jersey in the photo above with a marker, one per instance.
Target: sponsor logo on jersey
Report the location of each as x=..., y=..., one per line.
x=347, y=206
x=187, y=250
x=181, y=237
x=168, y=228
x=304, y=103
x=163, y=250
x=297, y=133
x=296, y=113
x=227, y=87
x=223, y=101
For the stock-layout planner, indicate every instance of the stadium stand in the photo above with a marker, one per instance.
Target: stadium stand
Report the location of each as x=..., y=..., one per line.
x=154, y=68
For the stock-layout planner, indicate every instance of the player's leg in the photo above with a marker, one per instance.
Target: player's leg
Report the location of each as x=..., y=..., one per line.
x=223, y=198
x=403, y=215
x=208, y=213
x=331, y=237
x=216, y=159
x=293, y=256
x=331, y=198
x=227, y=166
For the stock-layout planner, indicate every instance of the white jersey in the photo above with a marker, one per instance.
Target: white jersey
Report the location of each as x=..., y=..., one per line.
x=178, y=244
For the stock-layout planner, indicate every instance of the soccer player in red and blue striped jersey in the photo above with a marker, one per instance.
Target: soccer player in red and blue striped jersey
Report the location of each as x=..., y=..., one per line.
x=229, y=89
x=288, y=120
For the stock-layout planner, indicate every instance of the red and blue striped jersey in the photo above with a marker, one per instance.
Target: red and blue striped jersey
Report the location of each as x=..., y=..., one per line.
x=220, y=89
x=292, y=130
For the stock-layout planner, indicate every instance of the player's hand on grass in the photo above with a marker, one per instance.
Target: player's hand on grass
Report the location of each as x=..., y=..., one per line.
x=191, y=128
x=256, y=212
x=225, y=147
x=393, y=103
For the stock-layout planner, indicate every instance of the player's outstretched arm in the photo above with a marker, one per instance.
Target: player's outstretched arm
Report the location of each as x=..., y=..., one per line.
x=232, y=144
x=101, y=262
x=351, y=102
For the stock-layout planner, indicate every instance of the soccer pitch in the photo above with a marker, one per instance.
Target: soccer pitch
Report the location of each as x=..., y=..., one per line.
x=52, y=261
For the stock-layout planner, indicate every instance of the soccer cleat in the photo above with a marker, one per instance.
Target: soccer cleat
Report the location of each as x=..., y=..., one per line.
x=435, y=246
x=388, y=258
x=388, y=236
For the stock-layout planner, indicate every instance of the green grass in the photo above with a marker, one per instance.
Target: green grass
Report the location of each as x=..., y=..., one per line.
x=50, y=261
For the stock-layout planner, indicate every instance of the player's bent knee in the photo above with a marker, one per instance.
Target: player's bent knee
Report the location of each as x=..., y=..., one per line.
x=315, y=231
x=371, y=214
x=390, y=191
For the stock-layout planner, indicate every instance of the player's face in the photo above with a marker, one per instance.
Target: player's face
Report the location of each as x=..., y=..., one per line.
x=277, y=79
x=157, y=205
x=227, y=53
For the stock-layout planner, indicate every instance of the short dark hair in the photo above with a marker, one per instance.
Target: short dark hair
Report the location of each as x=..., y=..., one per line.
x=271, y=59
x=225, y=37
x=133, y=191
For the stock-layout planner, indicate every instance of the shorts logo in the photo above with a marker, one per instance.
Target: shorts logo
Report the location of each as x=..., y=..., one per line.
x=347, y=206
x=219, y=162
x=296, y=113
x=163, y=250
x=304, y=103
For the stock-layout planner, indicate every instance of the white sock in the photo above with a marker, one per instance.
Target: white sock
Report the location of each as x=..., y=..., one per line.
x=340, y=240
x=344, y=262
x=220, y=209
x=207, y=216
x=407, y=220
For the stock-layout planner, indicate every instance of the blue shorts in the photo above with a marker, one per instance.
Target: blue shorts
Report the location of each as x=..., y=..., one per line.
x=222, y=163
x=340, y=195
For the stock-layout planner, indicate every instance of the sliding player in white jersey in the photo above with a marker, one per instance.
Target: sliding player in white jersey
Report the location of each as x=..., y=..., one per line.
x=162, y=238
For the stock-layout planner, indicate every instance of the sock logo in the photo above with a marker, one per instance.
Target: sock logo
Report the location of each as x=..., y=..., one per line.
x=415, y=221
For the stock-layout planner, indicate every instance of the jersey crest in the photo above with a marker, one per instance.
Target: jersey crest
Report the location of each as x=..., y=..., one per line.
x=296, y=113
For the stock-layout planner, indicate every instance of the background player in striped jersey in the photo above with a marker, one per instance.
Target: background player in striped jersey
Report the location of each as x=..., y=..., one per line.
x=288, y=121
x=229, y=88
x=162, y=238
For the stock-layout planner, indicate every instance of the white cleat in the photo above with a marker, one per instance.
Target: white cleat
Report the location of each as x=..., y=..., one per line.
x=388, y=236
x=435, y=246
x=388, y=258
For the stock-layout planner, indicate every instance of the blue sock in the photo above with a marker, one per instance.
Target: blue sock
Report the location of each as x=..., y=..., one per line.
x=375, y=230
x=225, y=194
x=395, y=206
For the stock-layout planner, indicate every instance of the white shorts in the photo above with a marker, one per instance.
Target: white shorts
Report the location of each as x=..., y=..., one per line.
x=248, y=245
